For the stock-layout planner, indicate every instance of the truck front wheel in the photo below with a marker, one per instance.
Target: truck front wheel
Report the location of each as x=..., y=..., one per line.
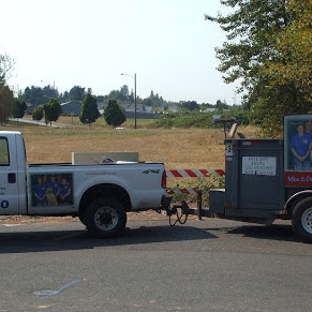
x=105, y=216
x=302, y=219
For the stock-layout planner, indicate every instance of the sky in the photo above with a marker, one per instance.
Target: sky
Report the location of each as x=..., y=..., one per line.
x=89, y=43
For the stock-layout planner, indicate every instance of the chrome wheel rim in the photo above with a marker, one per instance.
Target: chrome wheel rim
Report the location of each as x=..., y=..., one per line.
x=306, y=220
x=106, y=218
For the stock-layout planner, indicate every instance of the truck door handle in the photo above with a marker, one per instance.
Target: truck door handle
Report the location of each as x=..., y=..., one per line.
x=11, y=177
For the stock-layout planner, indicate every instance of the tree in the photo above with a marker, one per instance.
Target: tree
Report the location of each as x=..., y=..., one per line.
x=37, y=113
x=89, y=110
x=294, y=44
x=124, y=93
x=6, y=67
x=6, y=102
x=121, y=95
x=221, y=105
x=6, y=94
x=35, y=95
x=50, y=92
x=190, y=105
x=113, y=115
x=18, y=109
x=77, y=93
x=290, y=73
x=153, y=100
x=52, y=111
x=252, y=31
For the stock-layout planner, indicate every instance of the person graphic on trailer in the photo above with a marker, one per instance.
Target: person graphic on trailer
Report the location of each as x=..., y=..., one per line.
x=301, y=148
x=40, y=193
x=308, y=130
x=308, y=127
x=65, y=191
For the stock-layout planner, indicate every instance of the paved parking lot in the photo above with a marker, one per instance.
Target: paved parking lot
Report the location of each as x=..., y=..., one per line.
x=209, y=265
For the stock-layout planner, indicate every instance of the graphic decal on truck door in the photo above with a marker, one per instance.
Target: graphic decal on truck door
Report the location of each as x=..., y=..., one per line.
x=52, y=189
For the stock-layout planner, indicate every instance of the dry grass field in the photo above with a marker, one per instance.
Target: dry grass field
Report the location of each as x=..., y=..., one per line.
x=176, y=148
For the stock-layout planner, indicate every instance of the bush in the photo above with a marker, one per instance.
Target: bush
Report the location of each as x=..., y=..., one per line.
x=205, y=184
x=185, y=120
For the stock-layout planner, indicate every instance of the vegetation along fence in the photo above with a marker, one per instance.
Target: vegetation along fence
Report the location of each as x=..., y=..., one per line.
x=191, y=173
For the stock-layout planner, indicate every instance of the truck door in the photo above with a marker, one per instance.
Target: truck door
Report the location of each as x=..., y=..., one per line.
x=10, y=178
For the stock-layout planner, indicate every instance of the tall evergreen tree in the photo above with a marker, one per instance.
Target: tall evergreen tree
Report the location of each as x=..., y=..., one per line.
x=52, y=111
x=113, y=115
x=6, y=102
x=89, y=110
x=18, y=109
x=77, y=93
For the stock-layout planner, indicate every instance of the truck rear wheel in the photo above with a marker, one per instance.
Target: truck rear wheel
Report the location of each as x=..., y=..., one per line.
x=302, y=219
x=105, y=216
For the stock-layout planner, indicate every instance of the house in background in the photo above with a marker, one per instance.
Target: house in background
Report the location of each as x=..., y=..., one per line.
x=142, y=111
x=71, y=108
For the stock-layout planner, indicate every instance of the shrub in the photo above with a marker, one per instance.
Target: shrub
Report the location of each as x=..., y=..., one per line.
x=213, y=181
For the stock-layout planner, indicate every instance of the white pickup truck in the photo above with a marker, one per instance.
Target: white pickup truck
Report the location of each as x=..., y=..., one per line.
x=100, y=195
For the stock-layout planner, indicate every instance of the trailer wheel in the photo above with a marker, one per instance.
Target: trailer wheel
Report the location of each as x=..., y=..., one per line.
x=105, y=216
x=302, y=219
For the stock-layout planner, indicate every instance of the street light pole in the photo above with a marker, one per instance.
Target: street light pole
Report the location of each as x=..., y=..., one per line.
x=135, y=99
x=135, y=103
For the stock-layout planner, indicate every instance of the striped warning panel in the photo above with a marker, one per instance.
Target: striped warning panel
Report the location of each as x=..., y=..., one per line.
x=187, y=190
x=193, y=173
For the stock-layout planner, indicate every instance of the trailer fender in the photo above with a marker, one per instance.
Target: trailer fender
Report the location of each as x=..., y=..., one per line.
x=294, y=199
x=302, y=219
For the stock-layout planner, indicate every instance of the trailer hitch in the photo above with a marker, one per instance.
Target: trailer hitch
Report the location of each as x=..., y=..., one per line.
x=180, y=211
x=183, y=210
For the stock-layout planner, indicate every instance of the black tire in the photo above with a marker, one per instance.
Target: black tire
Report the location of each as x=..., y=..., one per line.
x=105, y=216
x=302, y=219
x=82, y=219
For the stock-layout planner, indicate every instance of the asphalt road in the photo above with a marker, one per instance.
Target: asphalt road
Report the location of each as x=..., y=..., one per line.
x=208, y=265
x=42, y=123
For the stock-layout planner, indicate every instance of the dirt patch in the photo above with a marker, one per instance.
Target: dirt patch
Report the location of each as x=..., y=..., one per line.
x=132, y=216
x=16, y=219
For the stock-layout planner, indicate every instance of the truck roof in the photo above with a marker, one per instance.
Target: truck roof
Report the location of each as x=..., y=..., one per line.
x=10, y=132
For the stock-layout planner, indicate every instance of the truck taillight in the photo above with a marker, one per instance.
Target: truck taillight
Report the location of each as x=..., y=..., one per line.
x=164, y=180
